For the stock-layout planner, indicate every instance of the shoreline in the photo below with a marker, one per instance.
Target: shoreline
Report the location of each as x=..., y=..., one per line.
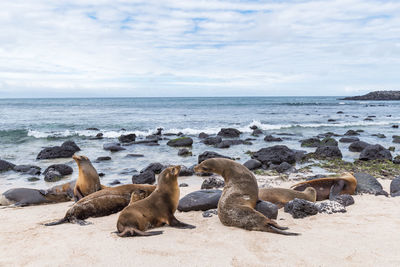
x=364, y=235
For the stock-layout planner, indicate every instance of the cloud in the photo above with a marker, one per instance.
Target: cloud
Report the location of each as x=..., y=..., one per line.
x=181, y=48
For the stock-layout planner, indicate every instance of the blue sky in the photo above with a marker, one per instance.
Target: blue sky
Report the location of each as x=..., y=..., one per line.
x=198, y=48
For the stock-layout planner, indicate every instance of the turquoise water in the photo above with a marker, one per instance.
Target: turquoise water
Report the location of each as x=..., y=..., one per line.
x=28, y=125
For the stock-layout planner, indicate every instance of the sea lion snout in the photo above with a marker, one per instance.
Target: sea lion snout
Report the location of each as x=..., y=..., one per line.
x=200, y=168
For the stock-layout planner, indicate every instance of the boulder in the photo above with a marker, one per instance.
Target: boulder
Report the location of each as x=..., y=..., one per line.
x=92, y=129
x=183, y=185
x=203, y=135
x=63, y=169
x=103, y=158
x=300, y=208
x=185, y=171
x=28, y=169
x=358, y=146
x=182, y=141
x=367, y=184
x=310, y=142
x=351, y=133
x=328, y=141
x=395, y=187
x=275, y=155
x=209, y=155
x=379, y=135
x=396, y=139
x=299, y=154
x=97, y=137
x=328, y=152
x=53, y=176
x=147, y=177
x=229, y=132
x=212, y=140
x=6, y=166
x=373, y=152
x=257, y=132
x=127, y=138
x=184, y=152
x=113, y=147
x=349, y=139
x=270, y=138
x=200, y=200
x=345, y=200
x=269, y=209
x=212, y=182
x=128, y=171
x=283, y=167
x=252, y=164
x=154, y=167
x=66, y=150
x=146, y=142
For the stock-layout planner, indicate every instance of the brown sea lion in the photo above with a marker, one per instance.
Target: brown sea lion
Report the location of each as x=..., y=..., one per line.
x=155, y=210
x=105, y=202
x=88, y=179
x=239, y=197
x=330, y=187
x=29, y=196
x=281, y=196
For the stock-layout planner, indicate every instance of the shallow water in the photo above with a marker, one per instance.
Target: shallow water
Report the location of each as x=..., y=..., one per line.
x=28, y=125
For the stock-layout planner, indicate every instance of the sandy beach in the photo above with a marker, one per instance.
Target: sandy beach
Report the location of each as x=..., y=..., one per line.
x=367, y=235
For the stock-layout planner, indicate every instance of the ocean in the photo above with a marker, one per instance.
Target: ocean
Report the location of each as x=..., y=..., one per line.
x=28, y=125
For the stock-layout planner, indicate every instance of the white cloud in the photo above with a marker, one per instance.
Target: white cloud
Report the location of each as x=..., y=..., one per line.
x=135, y=48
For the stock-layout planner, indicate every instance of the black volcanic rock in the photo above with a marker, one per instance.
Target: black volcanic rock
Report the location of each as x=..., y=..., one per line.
x=372, y=152
x=229, y=132
x=270, y=138
x=376, y=95
x=66, y=150
x=275, y=155
x=358, y=146
x=127, y=138
x=28, y=169
x=147, y=177
x=179, y=142
x=328, y=152
x=252, y=164
x=6, y=166
x=200, y=200
x=349, y=139
x=212, y=140
x=209, y=155
x=113, y=147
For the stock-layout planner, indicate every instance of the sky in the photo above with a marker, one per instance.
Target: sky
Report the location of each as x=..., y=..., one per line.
x=134, y=48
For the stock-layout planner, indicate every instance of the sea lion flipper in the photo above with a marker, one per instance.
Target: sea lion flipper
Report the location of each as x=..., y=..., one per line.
x=130, y=231
x=279, y=231
x=61, y=221
x=336, y=188
x=174, y=222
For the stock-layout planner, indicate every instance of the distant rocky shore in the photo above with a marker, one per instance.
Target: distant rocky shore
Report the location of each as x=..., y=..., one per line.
x=376, y=95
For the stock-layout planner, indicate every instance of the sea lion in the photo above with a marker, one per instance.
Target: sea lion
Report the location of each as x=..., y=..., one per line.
x=281, y=196
x=239, y=197
x=88, y=179
x=330, y=187
x=29, y=196
x=105, y=202
x=155, y=210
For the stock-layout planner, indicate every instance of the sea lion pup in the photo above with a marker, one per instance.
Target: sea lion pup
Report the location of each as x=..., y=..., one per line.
x=28, y=196
x=239, y=197
x=155, y=210
x=281, y=196
x=330, y=187
x=88, y=180
x=105, y=202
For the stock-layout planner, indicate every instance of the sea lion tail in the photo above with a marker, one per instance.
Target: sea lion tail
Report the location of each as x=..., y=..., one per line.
x=63, y=220
x=279, y=231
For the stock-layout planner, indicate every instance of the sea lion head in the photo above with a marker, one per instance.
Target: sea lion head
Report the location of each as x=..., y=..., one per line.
x=169, y=175
x=55, y=196
x=311, y=192
x=209, y=165
x=81, y=159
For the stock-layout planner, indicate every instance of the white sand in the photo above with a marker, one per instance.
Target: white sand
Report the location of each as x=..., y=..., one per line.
x=367, y=235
